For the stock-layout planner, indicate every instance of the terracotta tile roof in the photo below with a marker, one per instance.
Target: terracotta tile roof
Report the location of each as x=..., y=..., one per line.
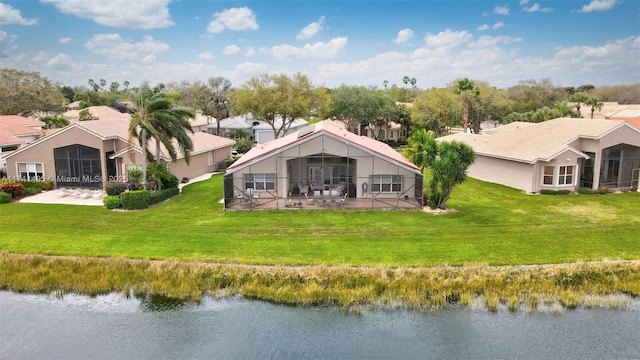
x=21, y=120
x=113, y=128
x=324, y=127
x=532, y=142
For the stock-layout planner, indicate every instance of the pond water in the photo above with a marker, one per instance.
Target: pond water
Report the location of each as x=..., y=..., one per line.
x=114, y=327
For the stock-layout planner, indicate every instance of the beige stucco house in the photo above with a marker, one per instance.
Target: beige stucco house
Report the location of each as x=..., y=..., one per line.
x=564, y=153
x=323, y=163
x=89, y=153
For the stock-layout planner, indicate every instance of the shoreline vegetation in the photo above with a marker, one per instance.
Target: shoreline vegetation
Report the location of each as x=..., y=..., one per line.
x=532, y=288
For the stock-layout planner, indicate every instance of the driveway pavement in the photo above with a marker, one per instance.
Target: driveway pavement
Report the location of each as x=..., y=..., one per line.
x=51, y=196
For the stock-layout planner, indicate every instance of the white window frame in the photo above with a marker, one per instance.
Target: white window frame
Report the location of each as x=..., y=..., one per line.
x=562, y=177
x=260, y=182
x=211, y=158
x=552, y=176
x=559, y=176
x=35, y=170
x=386, y=183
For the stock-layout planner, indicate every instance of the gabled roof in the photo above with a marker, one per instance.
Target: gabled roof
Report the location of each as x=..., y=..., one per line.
x=323, y=128
x=101, y=112
x=119, y=129
x=21, y=120
x=531, y=142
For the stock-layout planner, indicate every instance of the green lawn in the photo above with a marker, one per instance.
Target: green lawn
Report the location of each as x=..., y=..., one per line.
x=492, y=224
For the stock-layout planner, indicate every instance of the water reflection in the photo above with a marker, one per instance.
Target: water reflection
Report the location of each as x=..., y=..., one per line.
x=113, y=326
x=162, y=303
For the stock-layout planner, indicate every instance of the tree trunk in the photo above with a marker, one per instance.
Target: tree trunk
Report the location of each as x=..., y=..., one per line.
x=466, y=114
x=143, y=133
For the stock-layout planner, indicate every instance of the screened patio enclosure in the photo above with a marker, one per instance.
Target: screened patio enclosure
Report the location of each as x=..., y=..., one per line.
x=321, y=171
x=619, y=168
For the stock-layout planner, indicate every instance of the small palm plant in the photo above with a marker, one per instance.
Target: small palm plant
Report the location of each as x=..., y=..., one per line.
x=134, y=174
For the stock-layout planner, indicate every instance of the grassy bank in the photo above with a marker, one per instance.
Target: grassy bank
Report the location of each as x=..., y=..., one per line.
x=605, y=284
x=491, y=224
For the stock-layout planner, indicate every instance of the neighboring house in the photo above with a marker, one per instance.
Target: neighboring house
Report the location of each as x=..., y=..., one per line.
x=319, y=160
x=628, y=113
x=390, y=132
x=258, y=130
x=263, y=132
x=16, y=132
x=200, y=123
x=229, y=125
x=98, y=112
x=564, y=153
x=89, y=153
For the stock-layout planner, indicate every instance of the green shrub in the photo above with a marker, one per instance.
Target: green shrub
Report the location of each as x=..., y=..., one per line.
x=164, y=194
x=554, y=192
x=112, y=202
x=136, y=200
x=242, y=146
x=13, y=188
x=115, y=188
x=44, y=185
x=4, y=197
x=32, y=190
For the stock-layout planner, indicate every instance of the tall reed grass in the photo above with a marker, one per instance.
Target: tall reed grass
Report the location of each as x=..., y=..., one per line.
x=603, y=284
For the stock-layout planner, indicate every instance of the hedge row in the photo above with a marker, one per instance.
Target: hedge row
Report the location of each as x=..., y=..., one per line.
x=4, y=197
x=138, y=199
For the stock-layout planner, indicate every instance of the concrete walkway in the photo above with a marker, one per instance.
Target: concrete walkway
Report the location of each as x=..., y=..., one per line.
x=50, y=197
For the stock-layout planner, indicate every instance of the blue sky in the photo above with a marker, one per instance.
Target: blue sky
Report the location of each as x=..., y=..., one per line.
x=571, y=42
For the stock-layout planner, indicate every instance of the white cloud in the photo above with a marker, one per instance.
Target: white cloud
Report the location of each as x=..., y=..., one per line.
x=7, y=42
x=236, y=19
x=9, y=16
x=149, y=59
x=126, y=14
x=536, y=8
x=250, y=52
x=524, y=2
x=208, y=55
x=117, y=48
x=498, y=25
x=501, y=10
x=404, y=36
x=64, y=40
x=231, y=50
x=448, y=39
x=483, y=27
x=598, y=5
x=489, y=41
x=61, y=62
x=311, y=30
x=319, y=50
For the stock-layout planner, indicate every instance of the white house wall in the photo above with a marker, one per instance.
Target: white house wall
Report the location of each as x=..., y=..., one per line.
x=500, y=171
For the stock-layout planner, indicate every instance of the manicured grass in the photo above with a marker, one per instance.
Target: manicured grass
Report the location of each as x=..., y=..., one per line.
x=491, y=224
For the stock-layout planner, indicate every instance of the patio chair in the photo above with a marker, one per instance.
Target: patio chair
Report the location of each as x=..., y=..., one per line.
x=287, y=202
x=304, y=189
x=343, y=199
x=310, y=200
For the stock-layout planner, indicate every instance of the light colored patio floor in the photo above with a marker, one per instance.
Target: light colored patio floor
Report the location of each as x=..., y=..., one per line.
x=51, y=196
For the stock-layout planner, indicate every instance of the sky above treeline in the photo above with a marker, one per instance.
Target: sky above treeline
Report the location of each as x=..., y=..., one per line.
x=571, y=43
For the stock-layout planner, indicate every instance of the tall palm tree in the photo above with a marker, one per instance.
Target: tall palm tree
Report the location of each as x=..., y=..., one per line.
x=216, y=102
x=594, y=103
x=155, y=116
x=467, y=88
x=579, y=98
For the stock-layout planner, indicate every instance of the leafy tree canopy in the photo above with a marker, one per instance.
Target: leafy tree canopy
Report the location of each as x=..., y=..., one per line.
x=26, y=93
x=272, y=97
